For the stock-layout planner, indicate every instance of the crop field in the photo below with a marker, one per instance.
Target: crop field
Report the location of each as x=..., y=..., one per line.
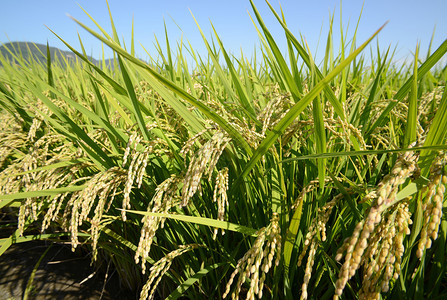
x=267, y=176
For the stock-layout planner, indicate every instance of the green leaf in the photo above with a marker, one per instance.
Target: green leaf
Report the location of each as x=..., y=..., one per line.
x=135, y=102
x=29, y=284
x=242, y=93
x=365, y=116
x=90, y=146
x=52, y=166
x=296, y=110
x=306, y=58
x=362, y=152
x=436, y=136
x=185, y=285
x=422, y=70
x=285, y=72
x=411, y=127
x=117, y=87
x=291, y=235
x=174, y=88
x=201, y=221
x=42, y=193
x=49, y=71
x=320, y=136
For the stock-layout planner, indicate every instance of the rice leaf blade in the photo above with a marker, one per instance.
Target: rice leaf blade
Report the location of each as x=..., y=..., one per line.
x=297, y=109
x=305, y=56
x=173, y=87
x=201, y=221
x=285, y=72
x=403, y=91
x=42, y=193
x=133, y=98
x=410, y=130
x=436, y=137
x=183, y=287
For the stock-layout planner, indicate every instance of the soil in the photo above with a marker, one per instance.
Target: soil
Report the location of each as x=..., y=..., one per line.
x=61, y=274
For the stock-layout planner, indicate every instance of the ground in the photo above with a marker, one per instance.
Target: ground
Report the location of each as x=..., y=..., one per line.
x=61, y=274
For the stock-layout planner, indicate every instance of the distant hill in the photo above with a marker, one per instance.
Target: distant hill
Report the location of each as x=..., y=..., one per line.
x=39, y=52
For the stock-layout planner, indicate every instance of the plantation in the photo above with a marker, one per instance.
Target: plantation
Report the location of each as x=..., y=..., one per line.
x=272, y=177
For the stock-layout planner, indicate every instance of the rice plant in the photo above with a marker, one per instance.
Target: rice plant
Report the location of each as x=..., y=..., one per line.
x=270, y=177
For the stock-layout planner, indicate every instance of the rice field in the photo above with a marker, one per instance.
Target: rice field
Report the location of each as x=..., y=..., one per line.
x=268, y=176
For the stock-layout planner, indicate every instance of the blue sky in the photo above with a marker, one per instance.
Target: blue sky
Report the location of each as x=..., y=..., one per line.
x=410, y=21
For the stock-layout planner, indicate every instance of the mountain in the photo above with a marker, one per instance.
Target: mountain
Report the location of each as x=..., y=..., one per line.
x=39, y=53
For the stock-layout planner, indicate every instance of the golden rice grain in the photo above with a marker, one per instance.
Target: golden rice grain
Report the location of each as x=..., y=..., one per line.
x=98, y=190
x=258, y=258
x=165, y=197
x=220, y=196
x=203, y=163
x=160, y=268
x=371, y=231
x=432, y=204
